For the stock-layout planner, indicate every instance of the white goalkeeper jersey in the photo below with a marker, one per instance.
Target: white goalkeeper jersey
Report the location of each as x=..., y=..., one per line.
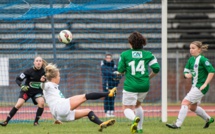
x=52, y=94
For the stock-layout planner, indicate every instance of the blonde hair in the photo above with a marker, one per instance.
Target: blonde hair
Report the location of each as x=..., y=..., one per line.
x=51, y=71
x=203, y=47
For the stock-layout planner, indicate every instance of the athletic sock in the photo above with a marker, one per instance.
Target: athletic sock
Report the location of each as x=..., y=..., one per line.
x=95, y=95
x=129, y=114
x=182, y=115
x=38, y=114
x=92, y=117
x=139, y=113
x=201, y=112
x=11, y=114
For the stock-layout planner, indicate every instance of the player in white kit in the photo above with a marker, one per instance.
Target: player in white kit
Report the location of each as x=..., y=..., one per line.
x=64, y=109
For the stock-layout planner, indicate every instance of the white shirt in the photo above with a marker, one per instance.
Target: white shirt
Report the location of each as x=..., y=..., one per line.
x=52, y=94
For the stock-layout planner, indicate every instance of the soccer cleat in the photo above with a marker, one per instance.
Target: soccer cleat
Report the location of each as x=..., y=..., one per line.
x=134, y=125
x=207, y=124
x=139, y=131
x=106, y=124
x=112, y=92
x=3, y=124
x=173, y=126
x=36, y=124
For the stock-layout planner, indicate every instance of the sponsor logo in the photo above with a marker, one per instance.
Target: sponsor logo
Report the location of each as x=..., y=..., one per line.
x=137, y=54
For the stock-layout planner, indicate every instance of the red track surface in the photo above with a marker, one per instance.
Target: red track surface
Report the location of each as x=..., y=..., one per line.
x=150, y=111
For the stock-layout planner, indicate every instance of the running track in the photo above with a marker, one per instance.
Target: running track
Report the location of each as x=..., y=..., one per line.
x=149, y=111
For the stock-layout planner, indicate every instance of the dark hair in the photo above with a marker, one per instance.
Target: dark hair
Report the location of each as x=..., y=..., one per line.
x=137, y=40
x=108, y=55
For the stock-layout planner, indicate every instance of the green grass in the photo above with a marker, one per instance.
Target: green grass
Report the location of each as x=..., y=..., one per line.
x=192, y=125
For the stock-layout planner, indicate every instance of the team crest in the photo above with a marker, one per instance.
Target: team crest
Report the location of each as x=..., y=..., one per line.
x=195, y=65
x=137, y=54
x=207, y=63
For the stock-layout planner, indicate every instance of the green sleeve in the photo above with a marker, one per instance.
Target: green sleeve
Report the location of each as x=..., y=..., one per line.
x=121, y=64
x=154, y=64
x=187, y=67
x=207, y=65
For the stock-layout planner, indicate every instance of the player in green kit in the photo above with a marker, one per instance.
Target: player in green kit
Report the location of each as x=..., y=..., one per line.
x=134, y=64
x=201, y=71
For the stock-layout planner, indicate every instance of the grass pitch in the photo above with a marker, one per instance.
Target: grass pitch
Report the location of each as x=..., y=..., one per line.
x=192, y=125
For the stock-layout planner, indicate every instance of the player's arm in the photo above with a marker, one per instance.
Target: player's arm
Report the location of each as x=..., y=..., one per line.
x=121, y=66
x=19, y=80
x=187, y=71
x=43, y=78
x=154, y=66
x=210, y=69
x=57, y=122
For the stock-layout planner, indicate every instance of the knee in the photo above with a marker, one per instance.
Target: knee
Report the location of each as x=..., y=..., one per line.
x=41, y=103
x=88, y=110
x=192, y=108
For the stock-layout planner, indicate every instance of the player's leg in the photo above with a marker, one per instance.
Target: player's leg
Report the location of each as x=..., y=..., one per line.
x=98, y=95
x=181, y=115
x=93, y=118
x=107, y=106
x=22, y=98
x=105, y=102
x=139, y=113
x=129, y=101
x=201, y=113
x=39, y=100
x=77, y=100
x=192, y=97
x=111, y=106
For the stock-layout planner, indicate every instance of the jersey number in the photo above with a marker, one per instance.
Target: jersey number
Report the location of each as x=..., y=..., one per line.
x=140, y=67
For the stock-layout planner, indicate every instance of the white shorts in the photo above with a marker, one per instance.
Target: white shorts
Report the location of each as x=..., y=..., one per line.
x=194, y=95
x=62, y=111
x=131, y=98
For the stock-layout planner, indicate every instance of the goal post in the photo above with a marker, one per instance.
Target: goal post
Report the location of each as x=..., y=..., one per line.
x=164, y=61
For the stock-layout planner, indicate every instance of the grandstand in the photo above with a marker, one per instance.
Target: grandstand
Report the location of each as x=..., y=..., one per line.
x=191, y=20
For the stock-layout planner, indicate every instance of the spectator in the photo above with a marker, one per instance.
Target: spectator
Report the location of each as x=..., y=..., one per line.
x=109, y=81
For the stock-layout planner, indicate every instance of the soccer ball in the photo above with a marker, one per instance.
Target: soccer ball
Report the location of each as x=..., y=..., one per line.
x=65, y=36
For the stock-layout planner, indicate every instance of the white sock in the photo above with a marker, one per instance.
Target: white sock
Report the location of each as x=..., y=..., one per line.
x=139, y=113
x=129, y=114
x=182, y=115
x=108, y=112
x=201, y=112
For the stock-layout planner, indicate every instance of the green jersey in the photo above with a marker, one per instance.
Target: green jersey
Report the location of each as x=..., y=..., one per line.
x=199, y=67
x=135, y=63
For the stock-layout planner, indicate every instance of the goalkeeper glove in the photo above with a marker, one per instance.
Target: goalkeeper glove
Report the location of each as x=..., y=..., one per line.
x=24, y=88
x=116, y=73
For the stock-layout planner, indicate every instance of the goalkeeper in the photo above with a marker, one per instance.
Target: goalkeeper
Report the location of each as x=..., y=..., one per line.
x=30, y=89
x=65, y=109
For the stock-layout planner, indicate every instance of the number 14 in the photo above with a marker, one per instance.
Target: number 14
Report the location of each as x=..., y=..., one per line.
x=140, y=67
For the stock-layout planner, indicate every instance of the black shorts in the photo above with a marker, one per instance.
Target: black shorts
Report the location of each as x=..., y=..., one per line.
x=26, y=96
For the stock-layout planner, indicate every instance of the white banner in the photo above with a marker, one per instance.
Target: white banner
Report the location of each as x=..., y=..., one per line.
x=4, y=71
